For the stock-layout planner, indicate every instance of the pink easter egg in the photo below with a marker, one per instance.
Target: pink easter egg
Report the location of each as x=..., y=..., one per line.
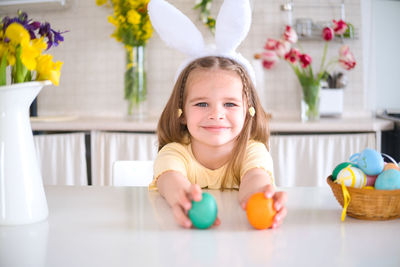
x=371, y=180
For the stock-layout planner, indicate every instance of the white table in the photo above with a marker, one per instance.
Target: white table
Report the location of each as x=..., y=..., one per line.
x=108, y=226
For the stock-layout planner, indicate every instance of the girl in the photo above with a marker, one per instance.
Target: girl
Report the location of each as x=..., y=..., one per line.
x=213, y=134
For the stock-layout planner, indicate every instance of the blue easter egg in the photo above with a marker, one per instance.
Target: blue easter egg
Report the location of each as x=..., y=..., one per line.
x=370, y=162
x=388, y=180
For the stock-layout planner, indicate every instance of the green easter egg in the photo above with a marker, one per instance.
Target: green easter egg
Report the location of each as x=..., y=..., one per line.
x=204, y=212
x=340, y=167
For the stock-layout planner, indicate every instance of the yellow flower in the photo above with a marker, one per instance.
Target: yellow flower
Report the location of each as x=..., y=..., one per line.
x=133, y=17
x=48, y=70
x=3, y=49
x=17, y=33
x=101, y=2
x=30, y=52
x=112, y=20
x=10, y=55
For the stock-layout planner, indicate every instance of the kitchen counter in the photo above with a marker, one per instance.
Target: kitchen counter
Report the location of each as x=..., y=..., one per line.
x=129, y=226
x=325, y=125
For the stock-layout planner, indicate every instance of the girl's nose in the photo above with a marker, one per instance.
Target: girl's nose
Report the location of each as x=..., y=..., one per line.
x=216, y=115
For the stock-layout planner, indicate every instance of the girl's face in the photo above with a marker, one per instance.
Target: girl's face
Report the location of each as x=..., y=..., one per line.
x=214, y=109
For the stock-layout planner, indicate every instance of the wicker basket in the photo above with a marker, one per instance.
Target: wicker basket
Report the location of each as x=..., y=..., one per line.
x=368, y=204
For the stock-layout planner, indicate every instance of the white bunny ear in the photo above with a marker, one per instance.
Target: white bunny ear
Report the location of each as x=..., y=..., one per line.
x=232, y=25
x=174, y=28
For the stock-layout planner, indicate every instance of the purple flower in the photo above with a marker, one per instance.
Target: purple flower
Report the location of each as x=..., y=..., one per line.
x=35, y=28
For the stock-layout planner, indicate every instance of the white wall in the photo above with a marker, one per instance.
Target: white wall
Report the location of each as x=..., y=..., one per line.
x=92, y=75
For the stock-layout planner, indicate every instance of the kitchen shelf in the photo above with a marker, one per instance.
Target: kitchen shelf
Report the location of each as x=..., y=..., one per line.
x=309, y=30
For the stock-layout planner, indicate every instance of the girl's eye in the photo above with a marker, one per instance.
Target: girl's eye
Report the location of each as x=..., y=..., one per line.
x=229, y=105
x=202, y=104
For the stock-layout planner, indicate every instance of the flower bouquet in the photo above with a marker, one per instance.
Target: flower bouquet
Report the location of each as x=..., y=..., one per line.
x=133, y=29
x=300, y=62
x=22, y=46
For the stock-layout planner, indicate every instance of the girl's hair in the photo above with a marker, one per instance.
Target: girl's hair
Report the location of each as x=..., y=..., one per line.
x=172, y=129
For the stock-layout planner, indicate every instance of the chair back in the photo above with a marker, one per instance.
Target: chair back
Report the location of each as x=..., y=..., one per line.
x=132, y=173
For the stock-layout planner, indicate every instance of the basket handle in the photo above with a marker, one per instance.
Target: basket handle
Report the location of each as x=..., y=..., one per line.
x=390, y=158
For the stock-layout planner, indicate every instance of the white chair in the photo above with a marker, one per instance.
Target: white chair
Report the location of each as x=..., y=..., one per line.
x=132, y=173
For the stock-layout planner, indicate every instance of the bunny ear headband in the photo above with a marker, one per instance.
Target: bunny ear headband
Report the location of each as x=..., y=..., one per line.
x=177, y=31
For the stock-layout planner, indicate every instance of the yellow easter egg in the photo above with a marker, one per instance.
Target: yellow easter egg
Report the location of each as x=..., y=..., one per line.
x=352, y=176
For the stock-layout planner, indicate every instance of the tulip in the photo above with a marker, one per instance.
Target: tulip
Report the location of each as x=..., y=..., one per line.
x=293, y=55
x=327, y=34
x=305, y=60
x=270, y=44
x=346, y=58
x=290, y=35
x=282, y=48
x=339, y=27
x=269, y=58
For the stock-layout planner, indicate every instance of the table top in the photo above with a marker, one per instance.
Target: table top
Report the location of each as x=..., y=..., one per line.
x=129, y=226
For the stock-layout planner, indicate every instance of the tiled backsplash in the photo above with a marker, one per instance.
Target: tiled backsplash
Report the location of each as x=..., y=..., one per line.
x=92, y=74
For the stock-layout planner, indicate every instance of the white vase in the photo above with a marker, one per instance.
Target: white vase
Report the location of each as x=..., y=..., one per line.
x=22, y=197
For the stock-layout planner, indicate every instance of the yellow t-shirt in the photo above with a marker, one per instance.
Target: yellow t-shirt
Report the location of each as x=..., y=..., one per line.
x=178, y=157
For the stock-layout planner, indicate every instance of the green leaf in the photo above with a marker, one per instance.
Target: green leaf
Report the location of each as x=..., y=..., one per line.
x=3, y=68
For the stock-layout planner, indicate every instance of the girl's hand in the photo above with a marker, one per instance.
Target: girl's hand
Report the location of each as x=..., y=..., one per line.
x=184, y=203
x=280, y=199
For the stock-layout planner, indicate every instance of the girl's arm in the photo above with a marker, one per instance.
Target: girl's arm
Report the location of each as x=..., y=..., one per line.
x=258, y=180
x=179, y=193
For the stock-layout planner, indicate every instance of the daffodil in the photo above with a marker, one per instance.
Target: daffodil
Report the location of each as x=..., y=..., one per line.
x=30, y=52
x=48, y=70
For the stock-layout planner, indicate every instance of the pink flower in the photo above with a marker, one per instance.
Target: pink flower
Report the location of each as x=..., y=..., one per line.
x=293, y=55
x=271, y=44
x=282, y=48
x=327, y=34
x=346, y=58
x=305, y=60
x=339, y=27
x=290, y=35
x=269, y=58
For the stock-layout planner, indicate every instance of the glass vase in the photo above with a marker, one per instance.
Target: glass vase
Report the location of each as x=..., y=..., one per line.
x=135, y=82
x=310, y=101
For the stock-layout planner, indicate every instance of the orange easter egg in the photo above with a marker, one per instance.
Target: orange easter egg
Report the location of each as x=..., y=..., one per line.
x=260, y=211
x=391, y=166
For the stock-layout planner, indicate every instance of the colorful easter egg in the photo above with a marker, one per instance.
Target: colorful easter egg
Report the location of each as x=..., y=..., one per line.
x=388, y=180
x=352, y=176
x=371, y=180
x=369, y=161
x=339, y=167
x=204, y=212
x=391, y=166
x=260, y=211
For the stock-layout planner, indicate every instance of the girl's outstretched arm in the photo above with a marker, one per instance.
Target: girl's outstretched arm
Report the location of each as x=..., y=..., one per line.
x=258, y=180
x=179, y=193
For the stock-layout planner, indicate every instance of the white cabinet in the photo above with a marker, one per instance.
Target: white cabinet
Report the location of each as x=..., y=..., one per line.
x=62, y=158
x=307, y=160
x=299, y=159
